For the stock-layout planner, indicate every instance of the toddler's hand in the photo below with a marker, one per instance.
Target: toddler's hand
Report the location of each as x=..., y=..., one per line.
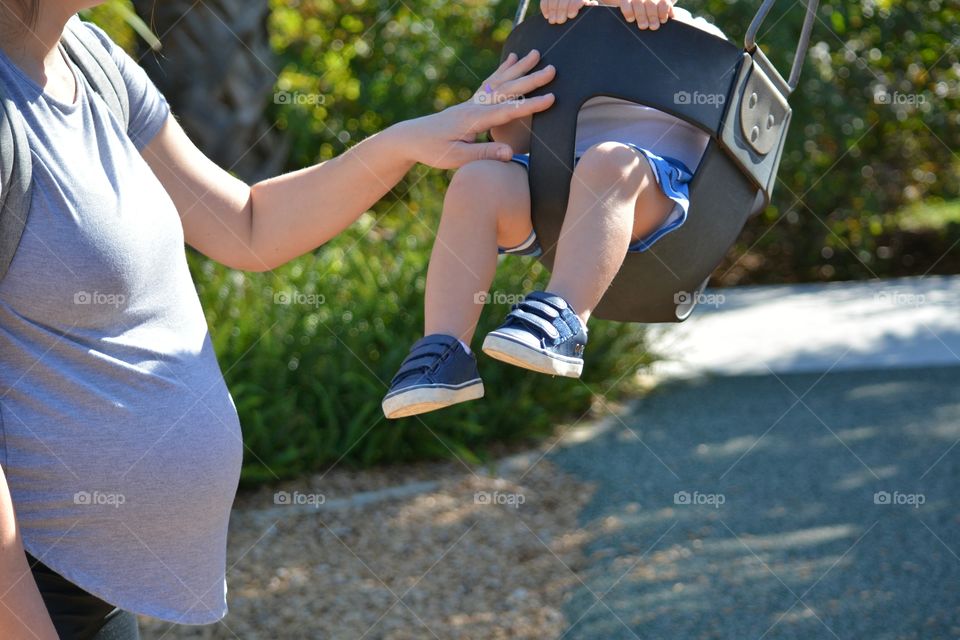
x=648, y=14
x=559, y=11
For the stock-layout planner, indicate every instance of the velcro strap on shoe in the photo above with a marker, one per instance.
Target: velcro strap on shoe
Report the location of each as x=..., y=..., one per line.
x=553, y=300
x=535, y=322
x=542, y=308
x=423, y=354
x=416, y=364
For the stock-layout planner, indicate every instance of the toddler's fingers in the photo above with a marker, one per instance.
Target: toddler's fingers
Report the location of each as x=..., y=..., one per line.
x=545, y=9
x=626, y=7
x=554, y=11
x=562, y=9
x=653, y=13
x=641, y=13
x=666, y=11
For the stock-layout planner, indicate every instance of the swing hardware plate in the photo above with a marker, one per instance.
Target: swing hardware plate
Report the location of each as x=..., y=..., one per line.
x=763, y=111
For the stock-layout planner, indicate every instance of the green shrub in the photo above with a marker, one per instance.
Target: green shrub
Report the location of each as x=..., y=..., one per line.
x=851, y=160
x=308, y=376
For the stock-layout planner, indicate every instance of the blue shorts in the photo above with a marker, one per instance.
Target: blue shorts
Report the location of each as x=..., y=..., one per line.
x=673, y=177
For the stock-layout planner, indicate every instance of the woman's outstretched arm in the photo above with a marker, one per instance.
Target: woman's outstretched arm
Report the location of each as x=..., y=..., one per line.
x=261, y=227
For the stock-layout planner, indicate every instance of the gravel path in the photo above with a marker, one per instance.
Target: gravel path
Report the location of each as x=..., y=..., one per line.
x=461, y=555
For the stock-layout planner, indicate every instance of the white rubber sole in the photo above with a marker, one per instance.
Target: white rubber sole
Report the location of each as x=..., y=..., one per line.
x=416, y=401
x=524, y=357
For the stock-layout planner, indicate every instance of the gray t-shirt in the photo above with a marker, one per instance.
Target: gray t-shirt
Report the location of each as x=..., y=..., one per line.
x=118, y=437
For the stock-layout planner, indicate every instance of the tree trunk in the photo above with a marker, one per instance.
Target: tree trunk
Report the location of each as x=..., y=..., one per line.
x=217, y=71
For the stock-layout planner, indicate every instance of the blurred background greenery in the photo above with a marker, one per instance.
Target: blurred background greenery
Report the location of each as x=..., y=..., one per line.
x=869, y=187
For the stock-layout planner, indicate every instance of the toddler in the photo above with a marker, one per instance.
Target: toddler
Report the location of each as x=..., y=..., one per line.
x=629, y=189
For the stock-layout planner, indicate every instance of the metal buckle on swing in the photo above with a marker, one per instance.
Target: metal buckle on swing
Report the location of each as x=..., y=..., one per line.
x=763, y=105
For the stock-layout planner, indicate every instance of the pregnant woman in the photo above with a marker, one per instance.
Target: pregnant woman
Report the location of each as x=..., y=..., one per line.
x=120, y=447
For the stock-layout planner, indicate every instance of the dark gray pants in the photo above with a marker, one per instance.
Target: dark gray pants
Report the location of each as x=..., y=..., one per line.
x=78, y=615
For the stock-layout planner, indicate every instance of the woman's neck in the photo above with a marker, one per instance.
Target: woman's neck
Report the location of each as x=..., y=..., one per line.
x=34, y=49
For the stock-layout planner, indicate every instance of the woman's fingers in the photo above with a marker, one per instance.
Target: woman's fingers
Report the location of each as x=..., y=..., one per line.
x=626, y=7
x=526, y=84
x=511, y=110
x=519, y=68
x=509, y=61
x=466, y=152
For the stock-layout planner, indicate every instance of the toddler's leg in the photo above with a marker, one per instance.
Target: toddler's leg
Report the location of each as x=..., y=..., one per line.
x=487, y=205
x=614, y=201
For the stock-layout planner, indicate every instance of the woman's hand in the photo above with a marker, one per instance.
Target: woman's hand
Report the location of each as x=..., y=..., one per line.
x=559, y=11
x=447, y=140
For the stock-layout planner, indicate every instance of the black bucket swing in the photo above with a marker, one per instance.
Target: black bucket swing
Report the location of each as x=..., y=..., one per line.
x=680, y=63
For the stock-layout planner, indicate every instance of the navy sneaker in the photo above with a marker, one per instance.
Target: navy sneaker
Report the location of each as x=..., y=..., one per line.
x=543, y=334
x=437, y=373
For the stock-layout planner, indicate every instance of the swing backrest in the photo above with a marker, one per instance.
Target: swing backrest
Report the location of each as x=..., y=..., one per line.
x=733, y=94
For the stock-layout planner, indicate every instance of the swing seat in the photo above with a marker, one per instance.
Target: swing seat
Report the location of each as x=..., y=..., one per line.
x=733, y=94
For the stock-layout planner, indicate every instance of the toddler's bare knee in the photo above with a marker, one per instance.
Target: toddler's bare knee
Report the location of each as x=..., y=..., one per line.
x=483, y=178
x=609, y=163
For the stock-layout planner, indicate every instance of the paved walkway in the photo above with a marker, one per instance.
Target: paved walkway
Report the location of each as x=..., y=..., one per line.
x=806, y=489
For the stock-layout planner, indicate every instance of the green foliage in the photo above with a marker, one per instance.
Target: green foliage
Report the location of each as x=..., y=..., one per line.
x=374, y=63
x=121, y=22
x=851, y=159
x=876, y=126
x=309, y=349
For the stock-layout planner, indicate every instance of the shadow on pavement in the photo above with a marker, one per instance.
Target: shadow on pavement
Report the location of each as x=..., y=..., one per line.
x=796, y=506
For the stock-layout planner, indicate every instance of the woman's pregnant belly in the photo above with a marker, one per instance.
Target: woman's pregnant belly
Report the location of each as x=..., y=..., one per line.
x=160, y=436
x=123, y=462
